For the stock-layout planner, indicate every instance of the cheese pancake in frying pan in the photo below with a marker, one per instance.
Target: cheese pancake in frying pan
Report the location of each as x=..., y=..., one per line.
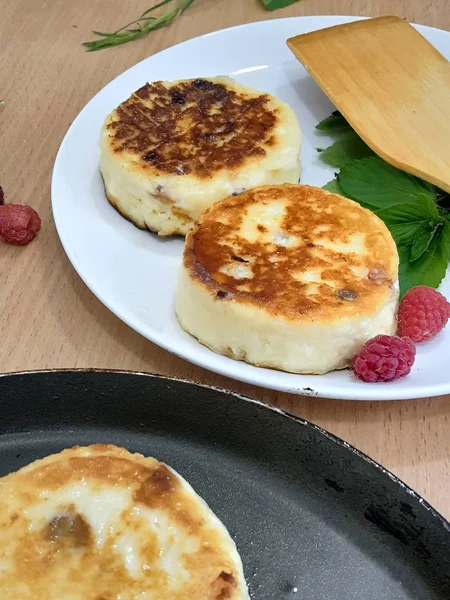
x=99, y=523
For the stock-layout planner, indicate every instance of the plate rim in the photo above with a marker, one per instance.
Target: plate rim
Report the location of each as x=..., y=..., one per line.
x=344, y=392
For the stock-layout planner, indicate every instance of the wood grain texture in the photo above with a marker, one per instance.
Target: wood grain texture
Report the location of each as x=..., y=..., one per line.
x=395, y=93
x=49, y=319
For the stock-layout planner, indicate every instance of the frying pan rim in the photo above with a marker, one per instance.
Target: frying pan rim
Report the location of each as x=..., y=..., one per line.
x=275, y=410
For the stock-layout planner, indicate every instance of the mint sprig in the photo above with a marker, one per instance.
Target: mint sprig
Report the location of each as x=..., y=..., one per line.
x=376, y=183
x=423, y=240
x=409, y=221
x=431, y=267
x=148, y=22
x=275, y=4
x=334, y=124
x=415, y=211
x=140, y=27
x=344, y=150
x=334, y=187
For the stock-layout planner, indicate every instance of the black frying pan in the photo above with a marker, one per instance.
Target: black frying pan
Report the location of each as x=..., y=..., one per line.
x=313, y=518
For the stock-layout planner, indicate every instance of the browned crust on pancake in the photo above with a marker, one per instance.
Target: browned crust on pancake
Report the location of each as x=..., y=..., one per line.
x=154, y=485
x=212, y=244
x=192, y=127
x=66, y=544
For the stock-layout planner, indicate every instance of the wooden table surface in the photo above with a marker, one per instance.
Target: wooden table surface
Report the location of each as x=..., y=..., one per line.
x=49, y=319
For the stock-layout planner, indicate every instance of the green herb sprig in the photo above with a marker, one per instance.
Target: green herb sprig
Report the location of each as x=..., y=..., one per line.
x=415, y=211
x=147, y=23
x=142, y=26
x=275, y=4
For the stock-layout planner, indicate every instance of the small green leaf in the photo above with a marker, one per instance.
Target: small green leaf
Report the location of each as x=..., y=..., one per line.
x=424, y=209
x=376, y=183
x=431, y=267
x=275, y=4
x=405, y=234
x=335, y=123
x=408, y=221
x=334, y=187
x=349, y=147
x=413, y=224
x=422, y=241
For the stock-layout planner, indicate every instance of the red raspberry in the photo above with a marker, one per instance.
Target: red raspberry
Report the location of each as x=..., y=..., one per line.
x=422, y=313
x=384, y=358
x=18, y=224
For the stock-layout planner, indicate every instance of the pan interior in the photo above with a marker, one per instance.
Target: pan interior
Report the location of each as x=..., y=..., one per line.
x=312, y=518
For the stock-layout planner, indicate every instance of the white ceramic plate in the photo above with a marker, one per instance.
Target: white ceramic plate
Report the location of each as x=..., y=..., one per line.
x=134, y=273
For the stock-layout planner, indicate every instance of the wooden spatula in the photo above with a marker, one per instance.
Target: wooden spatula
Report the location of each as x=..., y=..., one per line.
x=391, y=85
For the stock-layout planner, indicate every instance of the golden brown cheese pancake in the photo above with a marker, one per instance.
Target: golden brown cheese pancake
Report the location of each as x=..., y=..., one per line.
x=175, y=148
x=99, y=523
x=290, y=277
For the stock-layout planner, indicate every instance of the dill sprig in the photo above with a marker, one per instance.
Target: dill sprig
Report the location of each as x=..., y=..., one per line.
x=143, y=26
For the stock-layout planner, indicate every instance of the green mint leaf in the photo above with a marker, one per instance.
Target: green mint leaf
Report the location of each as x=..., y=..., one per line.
x=422, y=241
x=376, y=183
x=335, y=123
x=424, y=209
x=334, y=187
x=274, y=4
x=349, y=147
x=409, y=220
x=405, y=234
x=430, y=268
